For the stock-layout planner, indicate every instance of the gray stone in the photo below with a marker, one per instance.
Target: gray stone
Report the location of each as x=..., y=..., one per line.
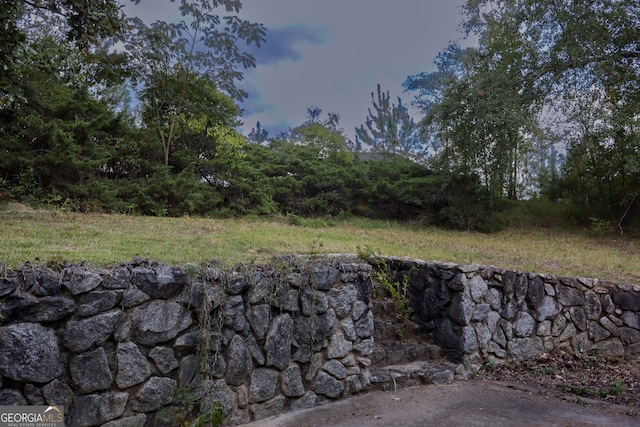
x=123, y=330
x=159, y=321
x=478, y=289
x=493, y=298
x=33, y=394
x=495, y=348
x=607, y=304
x=342, y=299
x=629, y=335
x=97, y=409
x=521, y=286
x=57, y=392
x=578, y=317
x=259, y=316
x=187, y=371
x=364, y=347
x=278, y=342
x=548, y=309
x=468, y=340
x=549, y=289
x=219, y=391
x=359, y=310
x=29, y=352
x=273, y=407
x=187, y=341
x=524, y=325
x=336, y=369
x=80, y=335
x=308, y=400
x=592, y=306
x=609, y=325
x=544, y=329
x=349, y=328
x=239, y=417
x=568, y=296
x=327, y=385
x=313, y=302
x=611, y=347
x=626, y=300
x=263, y=384
x=133, y=297
x=132, y=367
x=558, y=325
x=233, y=313
x=492, y=321
x=461, y=308
x=237, y=285
x=568, y=332
x=119, y=278
x=338, y=346
x=10, y=397
x=7, y=284
x=439, y=376
x=154, y=394
x=288, y=300
x=525, y=348
x=314, y=330
x=292, y=385
x=79, y=280
x=135, y=421
x=47, y=309
x=90, y=371
x=483, y=334
x=581, y=343
x=314, y=366
x=631, y=319
x=254, y=349
x=323, y=277
x=509, y=309
x=97, y=302
x=239, y=361
x=481, y=312
x=41, y=281
x=164, y=358
x=535, y=293
x=160, y=281
x=242, y=394
x=364, y=325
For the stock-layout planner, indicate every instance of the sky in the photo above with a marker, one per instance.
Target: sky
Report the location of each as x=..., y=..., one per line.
x=332, y=54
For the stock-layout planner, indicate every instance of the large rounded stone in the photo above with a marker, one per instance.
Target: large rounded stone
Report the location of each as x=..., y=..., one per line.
x=29, y=353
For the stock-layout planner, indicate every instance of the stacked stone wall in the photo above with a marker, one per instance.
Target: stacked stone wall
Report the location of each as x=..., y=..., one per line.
x=132, y=345
x=479, y=314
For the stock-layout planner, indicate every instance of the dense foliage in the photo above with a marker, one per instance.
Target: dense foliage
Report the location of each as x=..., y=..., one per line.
x=545, y=107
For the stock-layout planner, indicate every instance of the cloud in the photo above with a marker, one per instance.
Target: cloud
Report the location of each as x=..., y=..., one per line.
x=283, y=43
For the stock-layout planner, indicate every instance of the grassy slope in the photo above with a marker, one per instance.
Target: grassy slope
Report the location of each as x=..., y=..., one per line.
x=52, y=236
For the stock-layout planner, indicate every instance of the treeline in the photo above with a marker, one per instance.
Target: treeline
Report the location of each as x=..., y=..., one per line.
x=103, y=112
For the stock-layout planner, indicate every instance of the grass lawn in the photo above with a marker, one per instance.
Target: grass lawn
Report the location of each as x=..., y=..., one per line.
x=41, y=236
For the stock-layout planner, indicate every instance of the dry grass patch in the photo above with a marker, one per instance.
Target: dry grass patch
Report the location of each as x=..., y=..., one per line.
x=100, y=239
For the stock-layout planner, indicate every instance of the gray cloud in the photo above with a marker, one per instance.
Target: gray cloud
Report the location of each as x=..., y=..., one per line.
x=282, y=43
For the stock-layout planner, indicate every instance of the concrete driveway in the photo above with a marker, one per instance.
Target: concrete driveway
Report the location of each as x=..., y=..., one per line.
x=463, y=403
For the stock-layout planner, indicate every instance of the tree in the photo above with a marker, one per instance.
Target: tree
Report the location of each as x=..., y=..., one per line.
x=173, y=61
x=258, y=135
x=325, y=136
x=564, y=52
x=390, y=129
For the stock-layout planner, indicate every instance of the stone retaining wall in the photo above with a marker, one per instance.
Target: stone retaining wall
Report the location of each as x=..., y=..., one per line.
x=136, y=344
x=477, y=314
x=133, y=344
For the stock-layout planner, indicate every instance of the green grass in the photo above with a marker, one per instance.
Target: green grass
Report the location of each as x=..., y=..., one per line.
x=41, y=236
